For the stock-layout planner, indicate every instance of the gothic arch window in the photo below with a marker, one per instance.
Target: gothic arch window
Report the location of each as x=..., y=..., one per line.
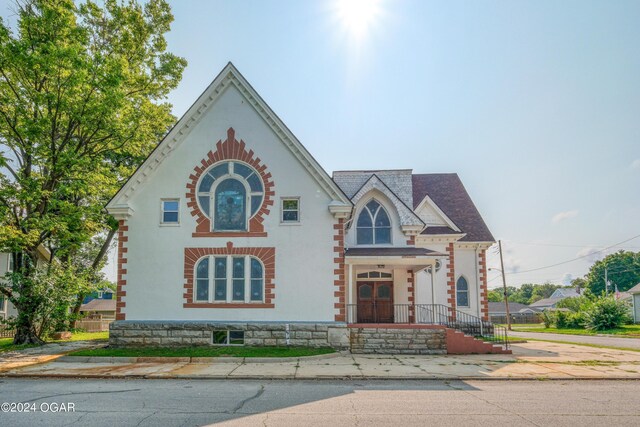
x=230, y=193
x=462, y=292
x=373, y=226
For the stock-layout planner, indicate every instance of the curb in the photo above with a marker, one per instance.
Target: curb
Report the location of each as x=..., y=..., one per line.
x=323, y=378
x=196, y=360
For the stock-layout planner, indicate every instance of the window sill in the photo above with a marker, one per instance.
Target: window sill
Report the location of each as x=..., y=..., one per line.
x=228, y=234
x=176, y=224
x=290, y=223
x=226, y=305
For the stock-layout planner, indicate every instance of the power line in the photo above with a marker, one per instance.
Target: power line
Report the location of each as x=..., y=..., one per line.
x=562, y=245
x=575, y=259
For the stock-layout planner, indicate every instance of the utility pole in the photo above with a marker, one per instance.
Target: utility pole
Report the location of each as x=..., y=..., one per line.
x=504, y=286
x=606, y=282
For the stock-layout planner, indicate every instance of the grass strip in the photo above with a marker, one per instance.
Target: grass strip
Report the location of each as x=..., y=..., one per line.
x=204, y=352
x=585, y=344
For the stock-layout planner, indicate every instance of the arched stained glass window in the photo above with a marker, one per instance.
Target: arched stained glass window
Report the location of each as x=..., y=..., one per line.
x=230, y=193
x=373, y=226
x=462, y=292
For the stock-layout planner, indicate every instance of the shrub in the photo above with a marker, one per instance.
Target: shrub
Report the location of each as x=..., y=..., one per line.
x=548, y=318
x=562, y=318
x=606, y=313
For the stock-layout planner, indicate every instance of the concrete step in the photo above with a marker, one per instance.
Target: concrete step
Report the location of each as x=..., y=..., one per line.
x=460, y=343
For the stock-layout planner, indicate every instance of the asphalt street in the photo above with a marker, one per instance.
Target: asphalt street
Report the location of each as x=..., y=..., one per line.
x=309, y=403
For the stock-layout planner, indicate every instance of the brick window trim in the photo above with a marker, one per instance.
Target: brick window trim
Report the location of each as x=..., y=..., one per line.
x=266, y=255
x=122, y=262
x=229, y=150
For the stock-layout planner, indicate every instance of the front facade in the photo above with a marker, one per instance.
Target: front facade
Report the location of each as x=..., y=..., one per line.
x=231, y=232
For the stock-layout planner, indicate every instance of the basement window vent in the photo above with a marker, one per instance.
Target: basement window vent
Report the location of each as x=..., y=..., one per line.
x=227, y=337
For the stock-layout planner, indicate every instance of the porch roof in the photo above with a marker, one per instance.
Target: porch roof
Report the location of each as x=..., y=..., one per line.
x=410, y=252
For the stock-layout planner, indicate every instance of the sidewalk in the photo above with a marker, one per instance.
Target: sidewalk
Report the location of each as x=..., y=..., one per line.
x=534, y=360
x=35, y=355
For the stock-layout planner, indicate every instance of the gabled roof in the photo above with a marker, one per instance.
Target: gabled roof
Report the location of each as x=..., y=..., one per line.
x=500, y=307
x=546, y=302
x=229, y=76
x=448, y=193
x=397, y=180
x=99, y=305
x=406, y=214
x=635, y=289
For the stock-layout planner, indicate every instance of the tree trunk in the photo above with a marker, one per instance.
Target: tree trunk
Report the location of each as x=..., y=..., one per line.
x=96, y=263
x=26, y=331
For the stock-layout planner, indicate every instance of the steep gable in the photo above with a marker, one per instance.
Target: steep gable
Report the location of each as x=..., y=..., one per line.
x=228, y=77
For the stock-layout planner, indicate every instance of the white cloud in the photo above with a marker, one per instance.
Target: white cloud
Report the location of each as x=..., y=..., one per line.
x=561, y=216
x=567, y=278
x=635, y=164
x=591, y=254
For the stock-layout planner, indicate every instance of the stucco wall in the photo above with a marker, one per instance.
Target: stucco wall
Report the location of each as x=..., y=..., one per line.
x=303, y=290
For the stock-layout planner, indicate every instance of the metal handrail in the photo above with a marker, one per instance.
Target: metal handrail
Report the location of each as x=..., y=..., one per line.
x=429, y=314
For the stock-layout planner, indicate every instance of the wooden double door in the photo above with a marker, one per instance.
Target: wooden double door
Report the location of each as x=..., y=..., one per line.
x=375, y=302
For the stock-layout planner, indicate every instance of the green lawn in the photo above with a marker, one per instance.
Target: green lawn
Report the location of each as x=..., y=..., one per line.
x=205, y=352
x=628, y=331
x=6, y=344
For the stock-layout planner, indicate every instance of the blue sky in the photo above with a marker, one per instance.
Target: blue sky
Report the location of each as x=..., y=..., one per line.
x=535, y=104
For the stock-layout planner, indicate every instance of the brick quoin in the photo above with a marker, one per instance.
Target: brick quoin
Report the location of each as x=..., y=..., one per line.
x=412, y=295
x=230, y=149
x=266, y=255
x=484, y=295
x=339, y=271
x=451, y=280
x=122, y=263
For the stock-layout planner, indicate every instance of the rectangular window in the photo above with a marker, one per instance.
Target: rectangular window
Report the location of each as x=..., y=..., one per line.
x=170, y=211
x=238, y=279
x=290, y=210
x=220, y=279
x=225, y=337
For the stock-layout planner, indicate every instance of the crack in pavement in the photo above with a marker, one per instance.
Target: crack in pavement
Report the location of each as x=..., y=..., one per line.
x=492, y=404
x=84, y=392
x=248, y=399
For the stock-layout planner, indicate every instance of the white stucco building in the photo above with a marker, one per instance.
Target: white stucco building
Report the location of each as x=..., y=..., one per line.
x=230, y=219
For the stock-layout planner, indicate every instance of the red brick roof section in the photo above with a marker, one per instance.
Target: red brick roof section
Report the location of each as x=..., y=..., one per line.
x=447, y=191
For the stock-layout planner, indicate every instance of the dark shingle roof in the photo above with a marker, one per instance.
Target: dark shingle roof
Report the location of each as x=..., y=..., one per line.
x=440, y=230
x=447, y=191
x=500, y=307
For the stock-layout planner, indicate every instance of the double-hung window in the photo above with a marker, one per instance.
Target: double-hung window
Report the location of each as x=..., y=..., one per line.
x=290, y=210
x=229, y=279
x=170, y=212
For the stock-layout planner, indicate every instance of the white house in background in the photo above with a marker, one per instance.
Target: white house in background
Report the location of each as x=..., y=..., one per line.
x=6, y=265
x=635, y=301
x=230, y=221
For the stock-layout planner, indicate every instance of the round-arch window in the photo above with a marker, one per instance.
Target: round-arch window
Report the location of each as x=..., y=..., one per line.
x=230, y=193
x=365, y=292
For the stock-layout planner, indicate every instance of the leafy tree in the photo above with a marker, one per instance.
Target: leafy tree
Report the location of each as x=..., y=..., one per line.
x=623, y=271
x=495, y=295
x=81, y=105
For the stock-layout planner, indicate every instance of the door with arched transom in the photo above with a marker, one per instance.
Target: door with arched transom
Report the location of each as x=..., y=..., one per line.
x=375, y=302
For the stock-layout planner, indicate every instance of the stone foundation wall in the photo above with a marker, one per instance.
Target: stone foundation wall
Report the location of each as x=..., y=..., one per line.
x=186, y=334
x=398, y=340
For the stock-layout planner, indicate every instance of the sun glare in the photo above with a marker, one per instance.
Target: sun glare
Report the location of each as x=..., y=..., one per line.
x=358, y=16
